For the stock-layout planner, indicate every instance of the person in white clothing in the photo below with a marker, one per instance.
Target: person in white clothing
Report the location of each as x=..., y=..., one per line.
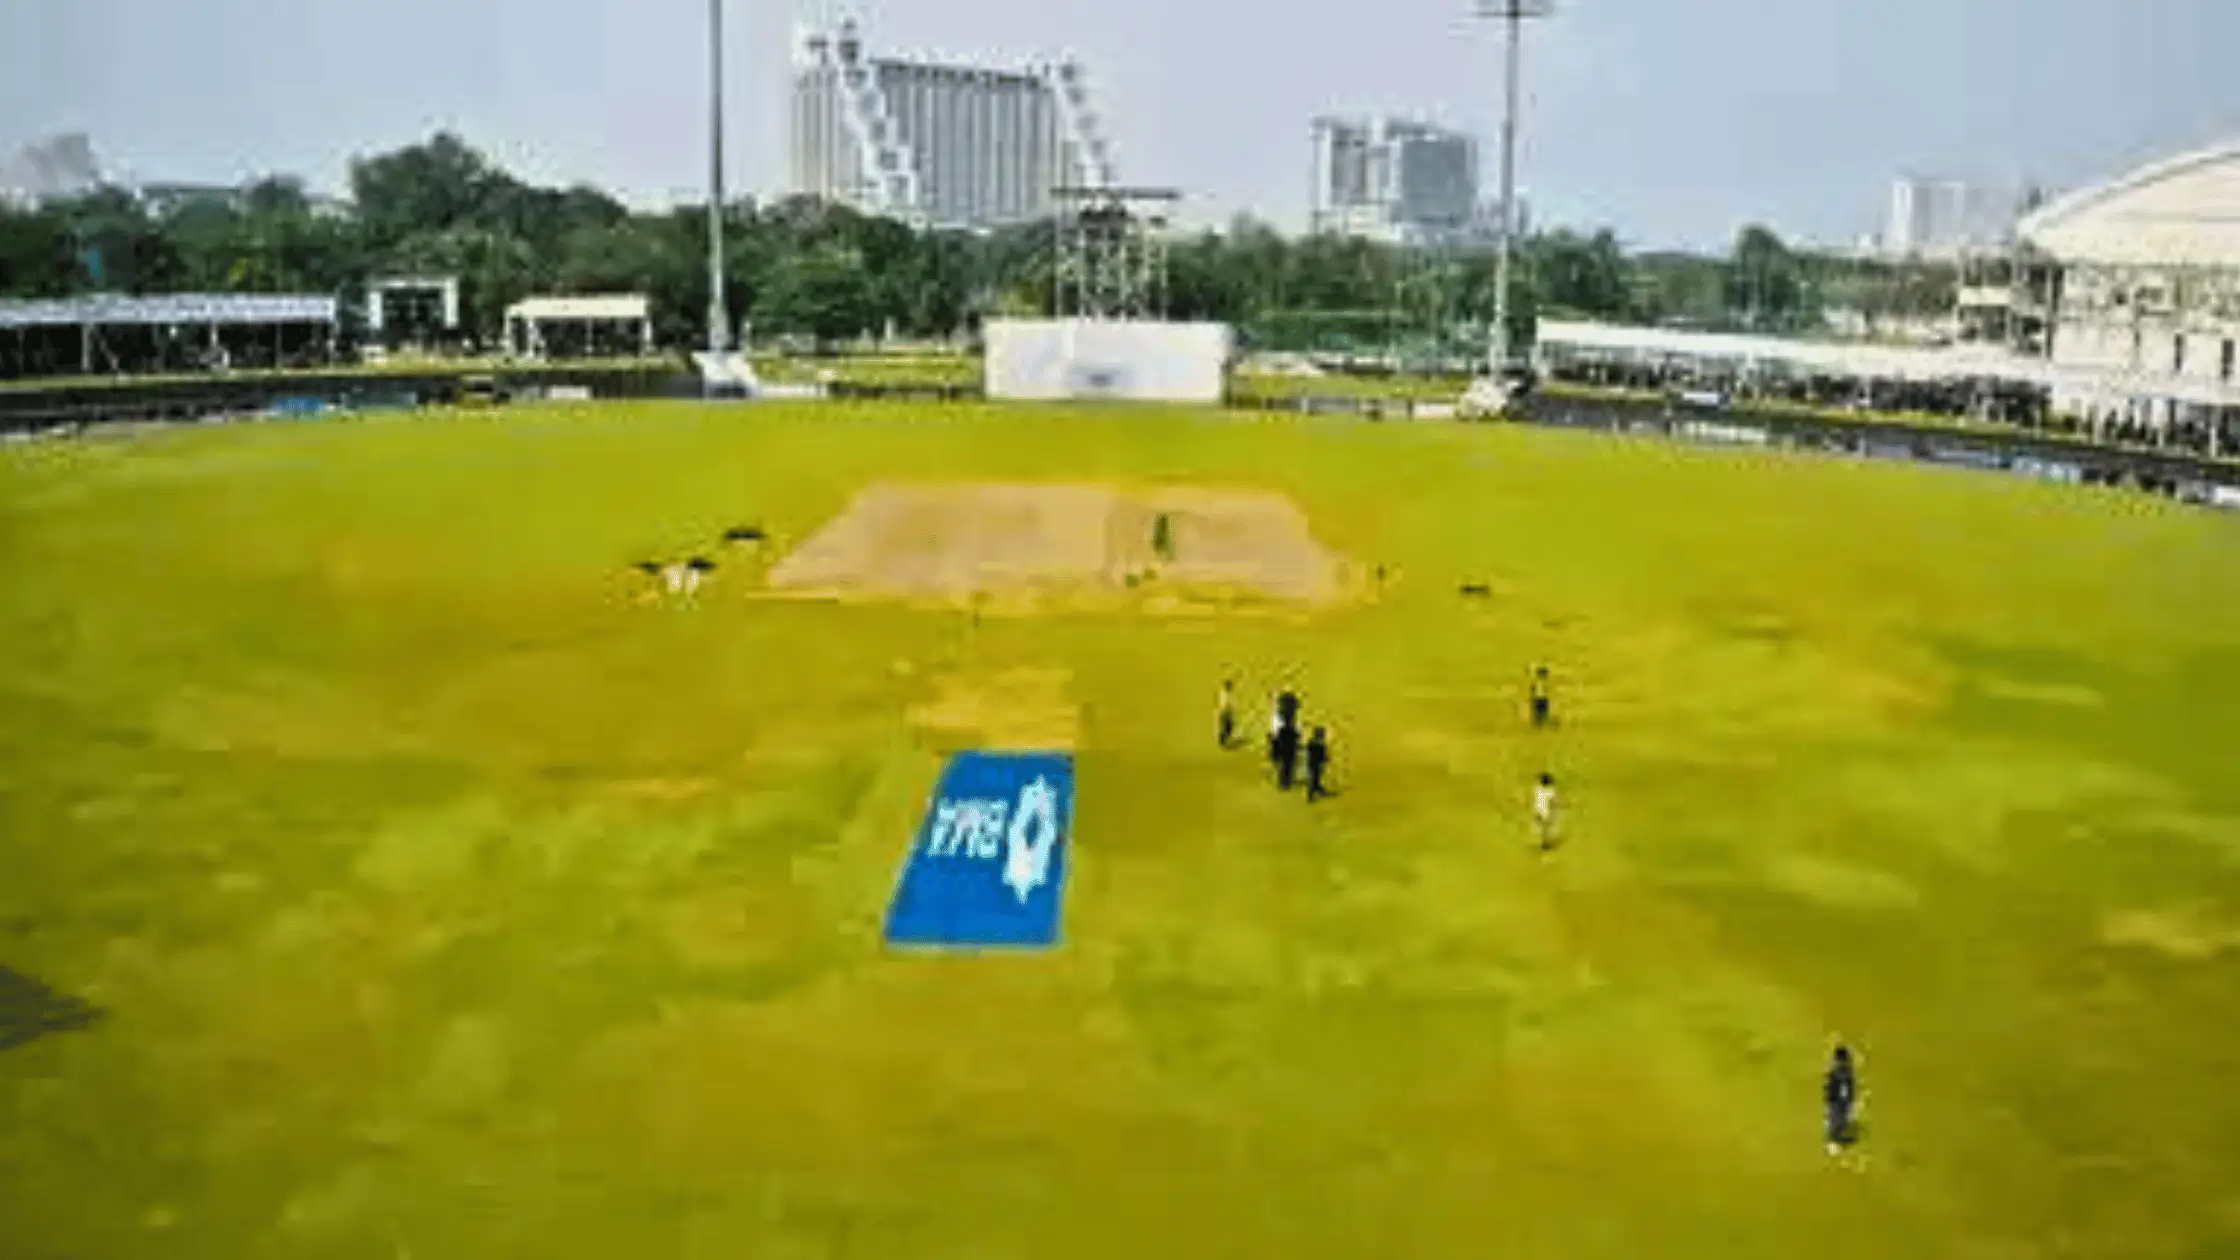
x=1544, y=810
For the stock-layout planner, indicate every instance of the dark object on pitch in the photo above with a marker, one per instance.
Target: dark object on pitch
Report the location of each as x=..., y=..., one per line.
x=1318, y=762
x=1477, y=590
x=1540, y=702
x=1162, y=537
x=1839, y=1094
x=651, y=568
x=744, y=533
x=699, y=564
x=30, y=1010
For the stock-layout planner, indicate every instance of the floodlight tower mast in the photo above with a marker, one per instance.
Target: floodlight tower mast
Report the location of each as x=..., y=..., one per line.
x=719, y=316
x=1513, y=13
x=1111, y=258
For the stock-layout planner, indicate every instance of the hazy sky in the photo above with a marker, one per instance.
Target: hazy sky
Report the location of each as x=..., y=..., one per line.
x=1673, y=121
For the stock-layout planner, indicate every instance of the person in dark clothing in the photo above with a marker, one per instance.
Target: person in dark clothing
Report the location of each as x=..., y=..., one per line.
x=1283, y=738
x=1840, y=1094
x=1540, y=705
x=1228, y=712
x=1318, y=763
x=1287, y=755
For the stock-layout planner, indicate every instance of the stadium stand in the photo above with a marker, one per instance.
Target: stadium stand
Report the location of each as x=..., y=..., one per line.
x=105, y=334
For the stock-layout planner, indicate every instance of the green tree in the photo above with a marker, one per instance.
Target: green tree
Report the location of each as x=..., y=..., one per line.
x=823, y=291
x=36, y=259
x=423, y=189
x=1580, y=275
x=544, y=217
x=1765, y=282
x=116, y=247
x=1679, y=290
x=800, y=265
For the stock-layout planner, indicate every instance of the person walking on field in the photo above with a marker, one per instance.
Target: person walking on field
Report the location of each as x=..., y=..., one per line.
x=1544, y=810
x=1839, y=1094
x=1228, y=712
x=1318, y=764
x=1541, y=709
x=1287, y=756
x=1286, y=740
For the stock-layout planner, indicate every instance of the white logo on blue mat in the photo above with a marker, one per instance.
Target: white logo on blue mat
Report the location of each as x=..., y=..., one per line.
x=989, y=865
x=967, y=828
x=975, y=830
x=1033, y=834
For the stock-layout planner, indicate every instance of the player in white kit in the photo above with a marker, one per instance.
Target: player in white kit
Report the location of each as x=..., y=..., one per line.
x=1544, y=810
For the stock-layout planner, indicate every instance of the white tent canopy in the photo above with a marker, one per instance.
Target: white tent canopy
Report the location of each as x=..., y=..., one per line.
x=557, y=310
x=199, y=309
x=528, y=321
x=205, y=330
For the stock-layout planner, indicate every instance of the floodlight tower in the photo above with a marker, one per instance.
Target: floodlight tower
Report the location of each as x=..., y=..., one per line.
x=1513, y=13
x=719, y=317
x=1111, y=257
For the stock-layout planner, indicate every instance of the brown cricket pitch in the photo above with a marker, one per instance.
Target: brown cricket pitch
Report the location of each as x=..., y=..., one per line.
x=1084, y=542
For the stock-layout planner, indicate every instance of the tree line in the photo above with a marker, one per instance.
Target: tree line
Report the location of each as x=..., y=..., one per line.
x=800, y=268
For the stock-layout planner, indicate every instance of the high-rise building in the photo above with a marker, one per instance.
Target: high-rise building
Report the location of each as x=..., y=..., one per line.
x=64, y=166
x=1393, y=179
x=1943, y=218
x=947, y=145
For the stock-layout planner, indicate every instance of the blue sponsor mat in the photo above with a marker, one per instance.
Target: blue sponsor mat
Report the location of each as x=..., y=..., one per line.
x=988, y=865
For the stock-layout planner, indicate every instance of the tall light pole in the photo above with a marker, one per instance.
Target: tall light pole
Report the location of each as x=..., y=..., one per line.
x=719, y=318
x=1513, y=13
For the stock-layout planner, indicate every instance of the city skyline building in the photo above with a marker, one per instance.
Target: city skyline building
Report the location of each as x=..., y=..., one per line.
x=940, y=143
x=1394, y=179
x=1940, y=219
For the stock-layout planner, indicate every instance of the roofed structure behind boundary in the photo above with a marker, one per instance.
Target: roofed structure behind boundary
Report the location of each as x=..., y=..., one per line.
x=2140, y=289
x=110, y=333
x=2117, y=304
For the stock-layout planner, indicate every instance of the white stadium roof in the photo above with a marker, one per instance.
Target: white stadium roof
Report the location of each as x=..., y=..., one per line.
x=1835, y=359
x=1864, y=363
x=2180, y=212
x=110, y=311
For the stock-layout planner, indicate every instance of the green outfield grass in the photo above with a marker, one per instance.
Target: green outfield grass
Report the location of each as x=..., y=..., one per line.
x=445, y=901
x=1339, y=385
x=872, y=369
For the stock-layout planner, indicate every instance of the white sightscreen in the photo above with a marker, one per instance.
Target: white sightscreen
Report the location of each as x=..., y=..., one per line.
x=1087, y=358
